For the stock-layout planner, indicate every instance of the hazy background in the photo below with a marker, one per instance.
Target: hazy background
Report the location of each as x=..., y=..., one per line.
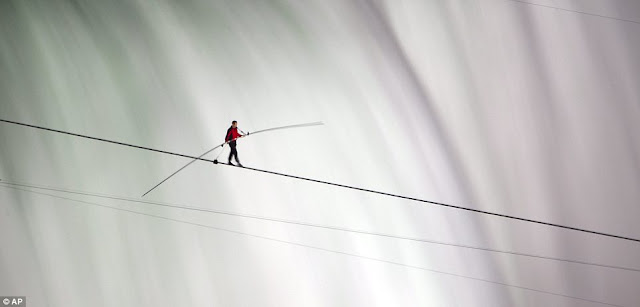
x=527, y=109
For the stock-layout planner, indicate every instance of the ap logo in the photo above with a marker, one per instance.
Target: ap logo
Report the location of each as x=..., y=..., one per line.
x=18, y=301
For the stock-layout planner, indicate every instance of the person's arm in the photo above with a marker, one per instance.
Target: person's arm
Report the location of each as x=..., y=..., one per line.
x=227, y=137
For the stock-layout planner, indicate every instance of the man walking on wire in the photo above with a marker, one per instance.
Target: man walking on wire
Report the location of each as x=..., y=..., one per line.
x=232, y=135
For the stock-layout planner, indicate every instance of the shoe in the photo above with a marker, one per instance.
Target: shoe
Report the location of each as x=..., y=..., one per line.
x=239, y=164
x=230, y=163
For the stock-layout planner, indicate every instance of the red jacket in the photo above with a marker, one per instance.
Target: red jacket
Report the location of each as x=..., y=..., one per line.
x=232, y=134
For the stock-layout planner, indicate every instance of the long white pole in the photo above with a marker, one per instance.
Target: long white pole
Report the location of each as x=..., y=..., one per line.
x=212, y=149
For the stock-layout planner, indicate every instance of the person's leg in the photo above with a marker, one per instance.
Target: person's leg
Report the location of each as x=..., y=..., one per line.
x=233, y=152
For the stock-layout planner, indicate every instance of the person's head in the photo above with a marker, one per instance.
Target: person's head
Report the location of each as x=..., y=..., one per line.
x=234, y=124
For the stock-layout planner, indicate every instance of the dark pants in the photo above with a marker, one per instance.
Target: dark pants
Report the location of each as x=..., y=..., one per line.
x=233, y=152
